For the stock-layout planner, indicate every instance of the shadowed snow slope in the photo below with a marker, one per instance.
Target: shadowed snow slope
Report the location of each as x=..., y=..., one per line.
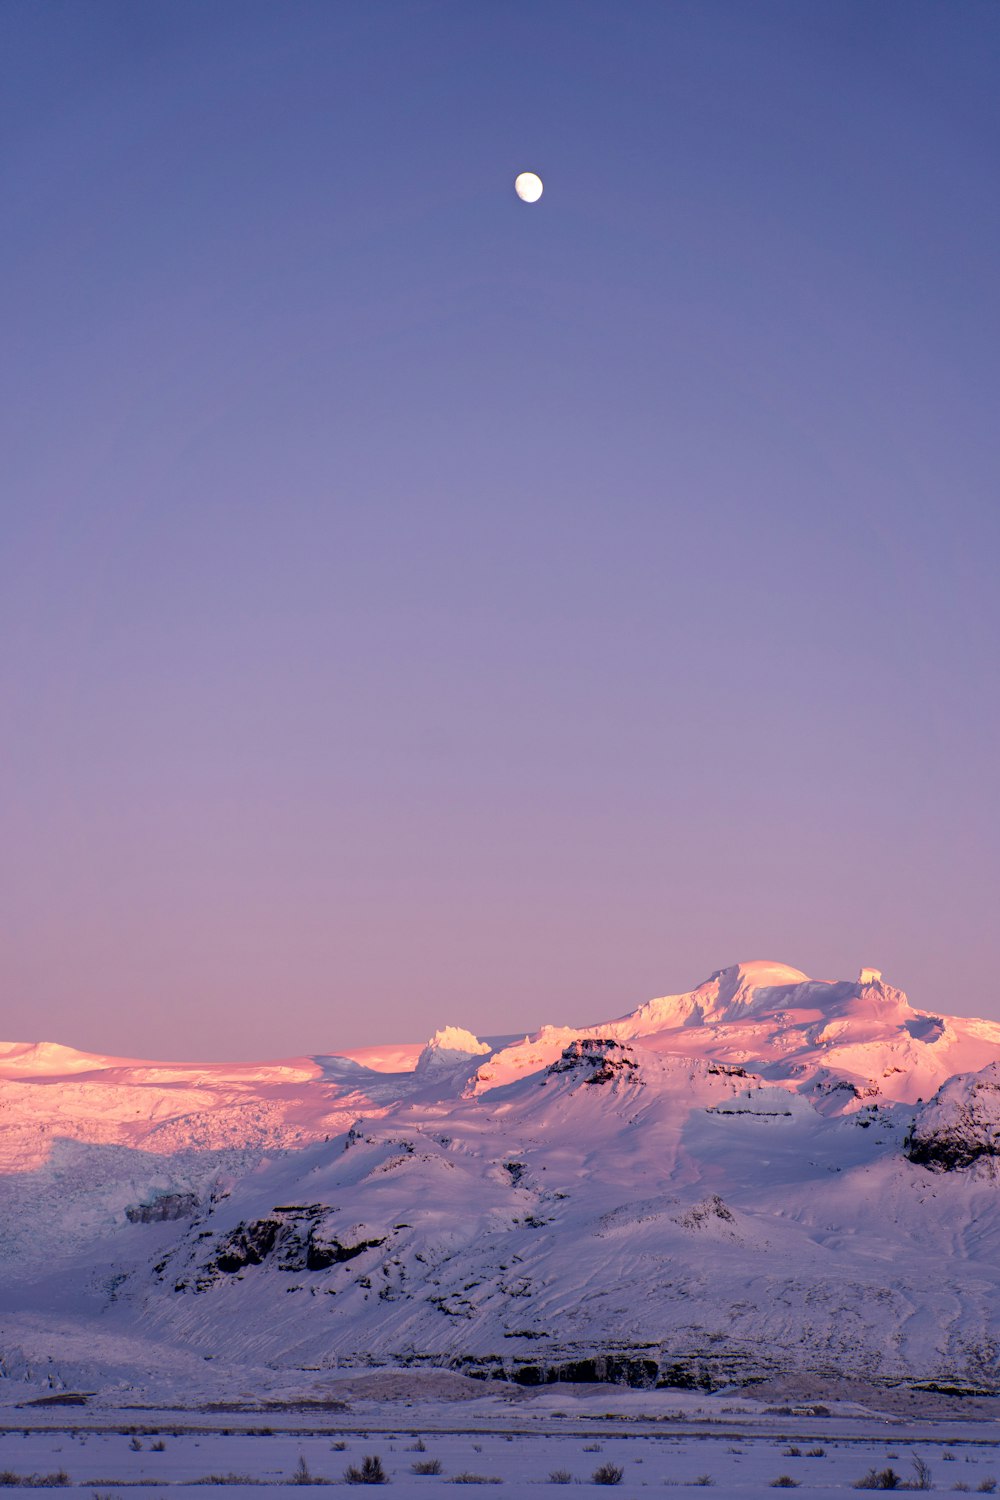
x=718, y=1185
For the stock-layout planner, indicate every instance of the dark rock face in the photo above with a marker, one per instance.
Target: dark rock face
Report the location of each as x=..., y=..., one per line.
x=600, y=1370
x=641, y=1370
x=166, y=1206
x=838, y=1086
x=950, y=1151
x=295, y=1237
x=320, y=1254
x=597, y=1059
x=960, y=1126
x=247, y=1245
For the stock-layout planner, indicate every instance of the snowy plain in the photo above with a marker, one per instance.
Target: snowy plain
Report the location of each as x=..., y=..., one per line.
x=528, y=1442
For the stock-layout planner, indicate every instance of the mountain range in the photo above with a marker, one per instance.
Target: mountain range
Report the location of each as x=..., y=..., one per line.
x=766, y=1176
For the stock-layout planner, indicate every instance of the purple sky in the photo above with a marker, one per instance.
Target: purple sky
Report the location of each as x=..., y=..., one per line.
x=418, y=607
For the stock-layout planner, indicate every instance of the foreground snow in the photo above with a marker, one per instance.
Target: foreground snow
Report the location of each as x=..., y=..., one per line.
x=521, y=1441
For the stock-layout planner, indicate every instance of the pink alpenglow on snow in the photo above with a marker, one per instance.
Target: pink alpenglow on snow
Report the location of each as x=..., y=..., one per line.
x=765, y=1168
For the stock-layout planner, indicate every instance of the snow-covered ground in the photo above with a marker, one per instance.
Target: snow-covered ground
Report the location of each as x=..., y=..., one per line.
x=767, y=1178
x=426, y=1433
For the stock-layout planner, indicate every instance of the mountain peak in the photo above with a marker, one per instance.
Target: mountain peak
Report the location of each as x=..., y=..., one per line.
x=448, y=1048
x=749, y=986
x=727, y=995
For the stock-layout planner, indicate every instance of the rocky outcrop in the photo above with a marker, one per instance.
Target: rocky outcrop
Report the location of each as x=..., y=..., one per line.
x=712, y=1211
x=247, y=1245
x=960, y=1125
x=321, y=1252
x=597, y=1059
x=163, y=1207
x=296, y=1237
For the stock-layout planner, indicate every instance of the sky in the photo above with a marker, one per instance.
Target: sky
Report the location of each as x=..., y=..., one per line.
x=418, y=607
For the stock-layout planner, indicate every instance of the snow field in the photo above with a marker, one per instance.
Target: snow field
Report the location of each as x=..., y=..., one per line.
x=108, y=1461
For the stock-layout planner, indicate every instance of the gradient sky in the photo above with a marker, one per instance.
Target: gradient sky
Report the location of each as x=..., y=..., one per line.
x=417, y=607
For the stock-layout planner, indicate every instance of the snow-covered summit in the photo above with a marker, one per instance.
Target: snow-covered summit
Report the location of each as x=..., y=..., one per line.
x=50, y=1059
x=727, y=995
x=775, y=1020
x=761, y=1014
x=449, y=1048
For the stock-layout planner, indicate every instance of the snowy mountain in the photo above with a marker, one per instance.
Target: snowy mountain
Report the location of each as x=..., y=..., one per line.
x=717, y=1186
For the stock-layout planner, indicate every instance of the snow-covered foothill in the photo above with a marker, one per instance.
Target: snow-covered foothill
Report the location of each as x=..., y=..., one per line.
x=961, y=1124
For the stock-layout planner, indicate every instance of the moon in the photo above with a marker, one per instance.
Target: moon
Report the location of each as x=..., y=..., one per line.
x=528, y=187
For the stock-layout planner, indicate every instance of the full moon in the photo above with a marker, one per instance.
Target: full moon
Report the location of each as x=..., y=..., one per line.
x=528, y=187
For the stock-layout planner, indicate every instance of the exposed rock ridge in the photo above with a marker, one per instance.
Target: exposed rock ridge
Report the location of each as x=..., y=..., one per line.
x=961, y=1124
x=599, y=1059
